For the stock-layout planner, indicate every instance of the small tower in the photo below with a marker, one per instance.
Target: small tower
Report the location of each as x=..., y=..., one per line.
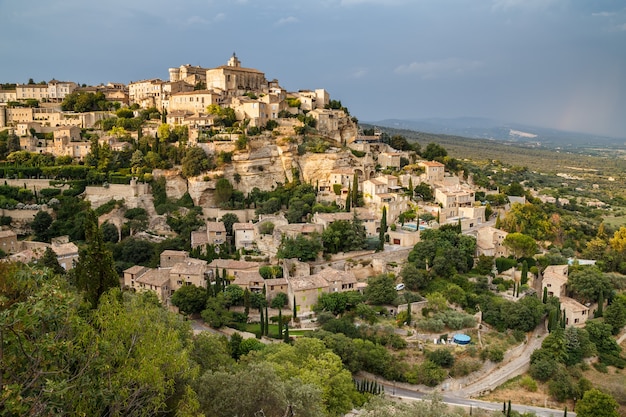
x=234, y=61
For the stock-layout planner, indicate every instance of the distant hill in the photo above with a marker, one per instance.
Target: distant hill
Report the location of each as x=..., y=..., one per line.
x=479, y=128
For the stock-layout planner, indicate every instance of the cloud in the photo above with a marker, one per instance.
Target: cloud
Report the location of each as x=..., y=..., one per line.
x=507, y=5
x=603, y=14
x=621, y=27
x=359, y=73
x=197, y=20
x=287, y=20
x=437, y=69
x=219, y=17
x=381, y=2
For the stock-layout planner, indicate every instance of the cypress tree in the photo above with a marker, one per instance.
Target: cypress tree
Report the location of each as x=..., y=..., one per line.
x=267, y=322
x=95, y=272
x=565, y=412
x=411, y=188
x=600, y=310
x=524, y=278
x=408, y=311
x=246, y=301
x=383, y=230
x=355, y=190
x=224, y=279
x=545, y=295
x=262, y=322
x=564, y=321
x=286, y=338
x=295, y=308
x=348, y=200
x=508, y=412
x=280, y=323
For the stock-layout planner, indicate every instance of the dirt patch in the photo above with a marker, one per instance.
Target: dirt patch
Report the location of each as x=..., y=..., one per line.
x=613, y=382
x=514, y=391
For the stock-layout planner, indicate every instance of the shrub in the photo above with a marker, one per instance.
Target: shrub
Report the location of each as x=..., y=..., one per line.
x=441, y=357
x=465, y=367
x=528, y=383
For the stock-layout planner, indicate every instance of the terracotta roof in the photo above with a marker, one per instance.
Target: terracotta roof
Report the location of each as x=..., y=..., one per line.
x=189, y=268
x=199, y=238
x=248, y=278
x=332, y=275
x=233, y=264
x=572, y=304
x=65, y=249
x=135, y=269
x=308, y=283
x=7, y=233
x=215, y=227
x=157, y=277
x=170, y=252
x=432, y=164
x=276, y=281
x=243, y=226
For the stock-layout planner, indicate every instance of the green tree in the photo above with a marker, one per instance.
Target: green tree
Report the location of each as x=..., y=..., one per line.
x=383, y=230
x=424, y=191
x=190, y=299
x=615, y=314
x=195, y=162
x=344, y=236
x=596, y=403
x=225, y=394
x=49, y=260
x=303, y=248
x=520, y=245
x=223, y=190
x=381, y=289
x=95, y=274
x=588, y=282
x=355, y=190
x=211, y=352
x=40, y=225
x=415, y=279
x=229, y=219
x=433, y=152
x=279, y=301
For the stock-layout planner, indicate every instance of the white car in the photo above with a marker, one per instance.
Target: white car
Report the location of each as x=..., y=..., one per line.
x=399, y=287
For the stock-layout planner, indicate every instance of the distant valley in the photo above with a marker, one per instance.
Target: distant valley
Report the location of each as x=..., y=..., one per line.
x=523, y=135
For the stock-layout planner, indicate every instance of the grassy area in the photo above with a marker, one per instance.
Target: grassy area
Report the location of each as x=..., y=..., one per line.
x=615, y=222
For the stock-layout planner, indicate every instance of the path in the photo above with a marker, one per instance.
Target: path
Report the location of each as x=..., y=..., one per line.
x=506, y=370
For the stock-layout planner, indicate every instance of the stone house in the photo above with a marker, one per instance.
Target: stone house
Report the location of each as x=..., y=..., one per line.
x=489, y=242
x=157, y=281
x=389, y=159
x=190, y=272
x=576, y=314
x=244, y=235
x=251, y=280
x=368, y=219
x=215, y=234
x=555, y=280
x=434, y=171
x=232, y=267
x=8, y=241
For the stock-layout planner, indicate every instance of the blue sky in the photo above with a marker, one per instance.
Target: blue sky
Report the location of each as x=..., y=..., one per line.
x=550, y=63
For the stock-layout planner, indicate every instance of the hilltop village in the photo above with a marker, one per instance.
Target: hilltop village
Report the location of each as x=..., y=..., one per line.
x=195, y=99
x=234, y=202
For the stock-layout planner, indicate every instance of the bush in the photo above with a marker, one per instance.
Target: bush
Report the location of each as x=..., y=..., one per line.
x=441, y=357
x=493, y=354
x=431, y=325
x=465, y=367
x=528, y=383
